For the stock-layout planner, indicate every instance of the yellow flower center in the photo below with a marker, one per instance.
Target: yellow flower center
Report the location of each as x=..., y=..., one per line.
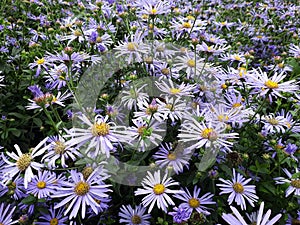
x=153, y=11
x=54, y=221
x=242, y=71
x=87, y=171
x=223, y=23
x=191, y=63
x=238, y=187
x=189, y=17
x=101, y=129
x=41, y=184
x=40, y=61
x=158, y=189
x=77, y=33
x=259, y=37
x=98, y=39
x=82, y=188
x=280, y=65
x=186, y=25
x=223, y=86
x=141, y=130
x=174, y=91
x=165, y=71
x=223, y=118
x=172, y=156
x=209, y=48
x=271, y=84
x=59, y=147
x=24, y=161
x=206, y=133
x=295, y=183
x=194, y=203
x=273, y=121
x=237, y=58
x=295, y=222
x=236, y=105
x=253, y=223
x=135, y=219
x=170, y=107
x=131, y=46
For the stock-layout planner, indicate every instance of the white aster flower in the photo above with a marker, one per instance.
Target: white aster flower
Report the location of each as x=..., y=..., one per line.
x=262, y=84
x=258, y=219
x=157, y=190
x=24, y=162
x=101, y=135
x=293, y=181
x=210, y=135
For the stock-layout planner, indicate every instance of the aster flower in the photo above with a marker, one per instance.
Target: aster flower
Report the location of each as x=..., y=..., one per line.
x=210, y=135
x=58, y=77
x=42, y=100
x=293, y=181
x=177, y=158
x=262, y=84
x=6, y=213
x=149, y=111
x=258, y=219
x=173, y=89
x=144, y=135
x=15, y=188
x=80, y=193
x=180, y=215
x=181, y=25
x=43, y=184
x=188, y=63
x=195, y=202
x=153, y=7
x=173, y=108
x=239, y=190
x=101, y=135
x=42, y=63
x=212, y=49
x=157, y=190
x=54, y=217
x=274, y=123
x=294, y=50
x=58, y=150
x=133, y=47
x=134, y=216
x=24, y=162
x=134, y=95
x=293, y=221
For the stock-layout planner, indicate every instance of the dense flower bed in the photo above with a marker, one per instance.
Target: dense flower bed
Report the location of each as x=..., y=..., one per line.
x=149, y=112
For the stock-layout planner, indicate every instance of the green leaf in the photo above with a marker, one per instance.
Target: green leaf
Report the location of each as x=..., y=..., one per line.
x=29, y=200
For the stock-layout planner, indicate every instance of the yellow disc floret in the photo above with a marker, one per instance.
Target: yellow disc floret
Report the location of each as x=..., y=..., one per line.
x=100, y=129
x=194, y=202
x=24, y=161
x=82, y=188
x=158, y=189
x=238, y=187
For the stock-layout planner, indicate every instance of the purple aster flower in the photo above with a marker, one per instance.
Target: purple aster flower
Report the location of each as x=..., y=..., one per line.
x=255, y=218
x=293, y=181
x=195, y=202
x=80, y=193
x=36, y=91
x=134, y=216
x=167, y=157
x=293, y=221
x=239, y=190
x=53, y=217
x=43, y=184
x=180, y=214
